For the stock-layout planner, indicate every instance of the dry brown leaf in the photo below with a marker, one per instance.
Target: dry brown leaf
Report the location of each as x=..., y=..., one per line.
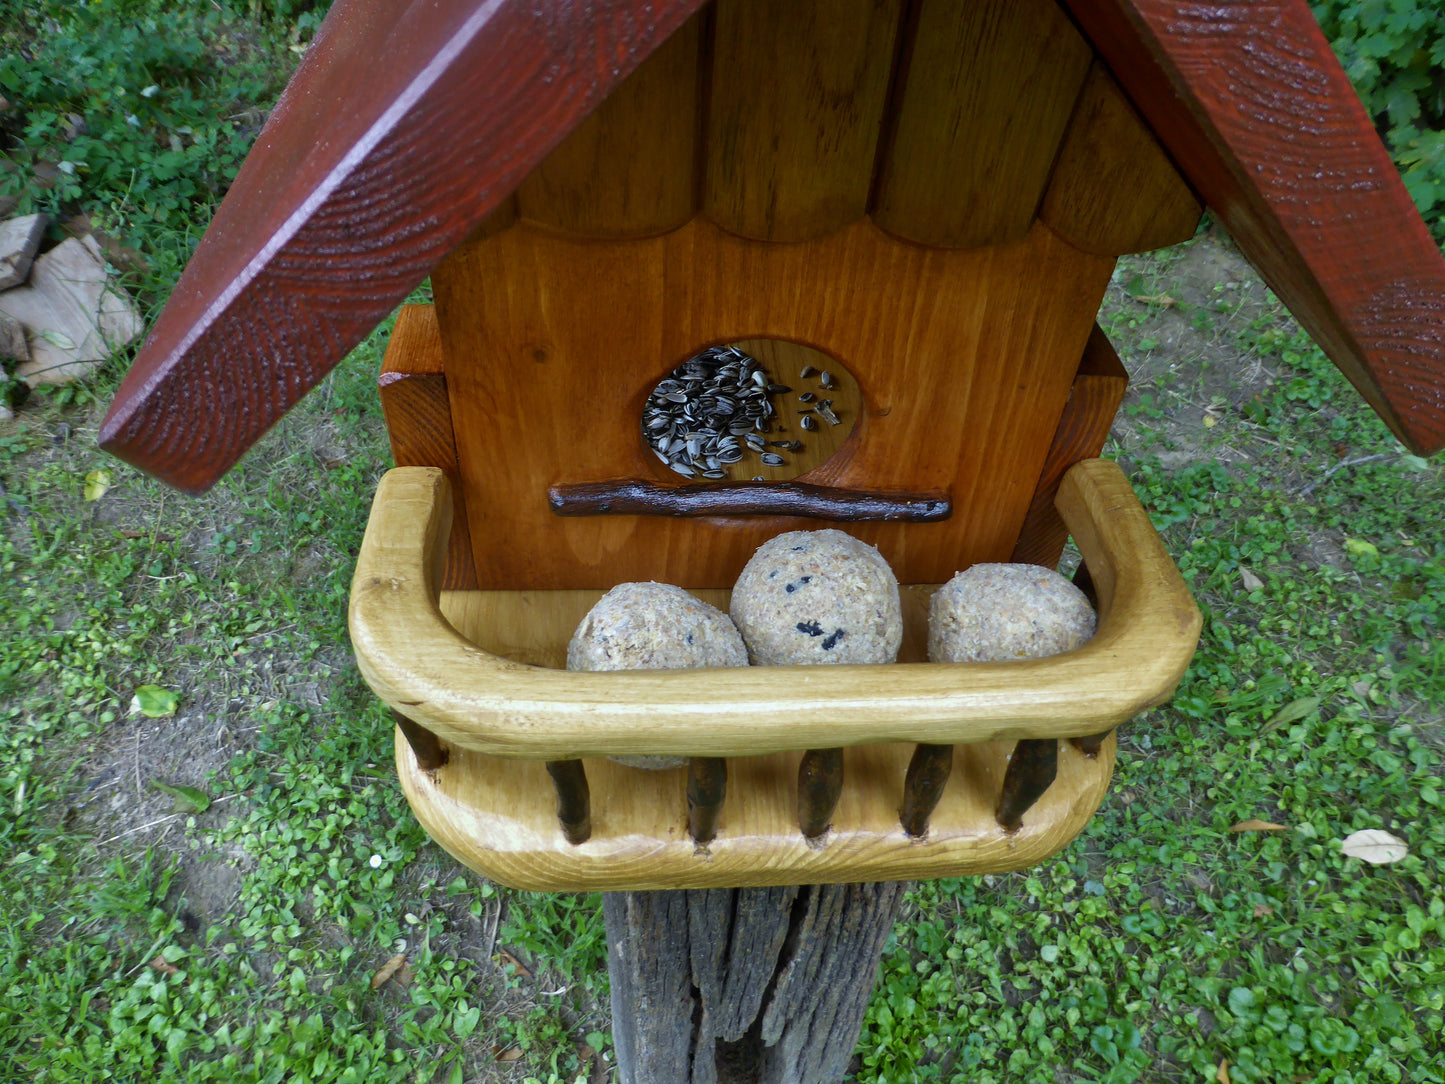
x=1375, y=846
x=1258, y=826
x=1222, y=1073
x=508, y=958
x=387, y=970
x=1262, y=910
x=164, y=967
x=1163, y=300
x=511, y=1053
x=1250, y=581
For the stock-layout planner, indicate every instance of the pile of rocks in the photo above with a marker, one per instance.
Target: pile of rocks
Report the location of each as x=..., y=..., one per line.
x=60, y=313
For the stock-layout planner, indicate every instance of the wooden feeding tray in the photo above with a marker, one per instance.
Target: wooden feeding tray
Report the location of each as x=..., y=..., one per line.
x=479, y=671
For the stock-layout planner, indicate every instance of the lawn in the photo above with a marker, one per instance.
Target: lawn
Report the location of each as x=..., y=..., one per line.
x=208, y=872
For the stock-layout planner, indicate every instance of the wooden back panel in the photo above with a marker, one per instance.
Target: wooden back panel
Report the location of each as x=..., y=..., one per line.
x=943, y=121
x=734, y=188
x=964, y=358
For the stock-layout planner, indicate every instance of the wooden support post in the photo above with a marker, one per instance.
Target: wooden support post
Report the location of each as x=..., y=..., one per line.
x=1084, y=581
x=725, y=986
x=928, y=774
x=430, y=753
x=707, y=784
x=574, y=800
x=1031, y=771
x=820, y=782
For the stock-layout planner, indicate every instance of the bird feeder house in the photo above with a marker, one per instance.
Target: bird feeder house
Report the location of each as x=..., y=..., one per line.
x=903, y=216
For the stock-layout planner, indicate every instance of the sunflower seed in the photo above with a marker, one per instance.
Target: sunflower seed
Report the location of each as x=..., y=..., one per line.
x=806, y=372
x=772, y=459
x=808, y=422
x=806, y=397
x=827, y=380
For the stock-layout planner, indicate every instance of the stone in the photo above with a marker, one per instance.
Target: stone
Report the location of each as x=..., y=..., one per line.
x=12, y=340
x=73, y=314
x=19, y=242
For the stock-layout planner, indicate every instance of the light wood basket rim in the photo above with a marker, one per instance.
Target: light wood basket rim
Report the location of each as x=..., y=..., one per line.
x=420, y=665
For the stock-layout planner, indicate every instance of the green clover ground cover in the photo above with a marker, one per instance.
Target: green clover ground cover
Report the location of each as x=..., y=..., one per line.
x=1157, y=946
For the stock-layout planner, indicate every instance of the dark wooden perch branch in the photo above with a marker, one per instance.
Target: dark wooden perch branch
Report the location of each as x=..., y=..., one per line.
x=635, y=498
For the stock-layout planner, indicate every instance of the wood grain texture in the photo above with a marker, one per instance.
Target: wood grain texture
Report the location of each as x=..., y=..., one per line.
x=1094, y=399
x=1114, y=189
x=490, y=695
x=1250, y=102
x=928, y=772
x=497, y=817
x=743, y=986
x=419, y=422
x=964, y=359
x=1032, y=769
x=986, y=92
x=797, y=102
x=405, y=125
x=631, y=168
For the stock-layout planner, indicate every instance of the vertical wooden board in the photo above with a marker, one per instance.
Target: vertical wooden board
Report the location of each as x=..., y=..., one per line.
x=964, y=359
x=796, y=105
x=982, y=104
x=1093, y=401
x=630, y=169
x=419, y=421
x=1114, y=189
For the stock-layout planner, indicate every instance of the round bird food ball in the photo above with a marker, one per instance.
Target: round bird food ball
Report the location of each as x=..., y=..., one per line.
x=996, y=612
x=818, y=597
x=654, y=626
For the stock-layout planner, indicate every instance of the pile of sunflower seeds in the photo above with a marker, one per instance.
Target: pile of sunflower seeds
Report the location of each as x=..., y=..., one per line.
x=710, y=412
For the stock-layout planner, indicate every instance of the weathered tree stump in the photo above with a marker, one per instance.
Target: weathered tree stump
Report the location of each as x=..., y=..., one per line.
x=743, y=985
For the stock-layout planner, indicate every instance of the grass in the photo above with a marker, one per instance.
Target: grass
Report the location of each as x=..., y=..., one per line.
x=148, y=939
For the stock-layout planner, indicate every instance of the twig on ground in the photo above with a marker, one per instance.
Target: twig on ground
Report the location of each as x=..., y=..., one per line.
x=1341, y=465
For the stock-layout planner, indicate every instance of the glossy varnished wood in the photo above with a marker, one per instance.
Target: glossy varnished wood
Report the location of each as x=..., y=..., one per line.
x=418, y=414
x=797, y=104
x=1114, y=189
x=405, y=125
x=1251, y=104
x=497, y=817
x=986, y=91
x=1094, y=399
x=964, y=360
x=631, y=168
x=503, y=703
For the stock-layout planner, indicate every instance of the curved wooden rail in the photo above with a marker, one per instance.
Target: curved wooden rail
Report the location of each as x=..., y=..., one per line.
x=420, y=665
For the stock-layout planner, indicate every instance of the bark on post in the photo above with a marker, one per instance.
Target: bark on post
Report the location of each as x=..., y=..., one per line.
x=726, y=986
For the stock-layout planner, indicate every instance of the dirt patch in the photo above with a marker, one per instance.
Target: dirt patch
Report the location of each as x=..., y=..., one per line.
x=1190, y=379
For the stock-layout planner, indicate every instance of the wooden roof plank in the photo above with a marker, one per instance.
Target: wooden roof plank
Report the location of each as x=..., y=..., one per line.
x=1249, y=99
x=406, y=124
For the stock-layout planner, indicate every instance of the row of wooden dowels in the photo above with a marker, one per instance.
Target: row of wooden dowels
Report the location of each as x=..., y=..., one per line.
x=1030, y=772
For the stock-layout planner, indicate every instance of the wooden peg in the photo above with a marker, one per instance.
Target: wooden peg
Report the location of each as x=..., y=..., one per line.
x=574, y=800
x=1031, y=770
x=430, y=753
x=928, y=774
x=707, y=784
x=820, y=781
